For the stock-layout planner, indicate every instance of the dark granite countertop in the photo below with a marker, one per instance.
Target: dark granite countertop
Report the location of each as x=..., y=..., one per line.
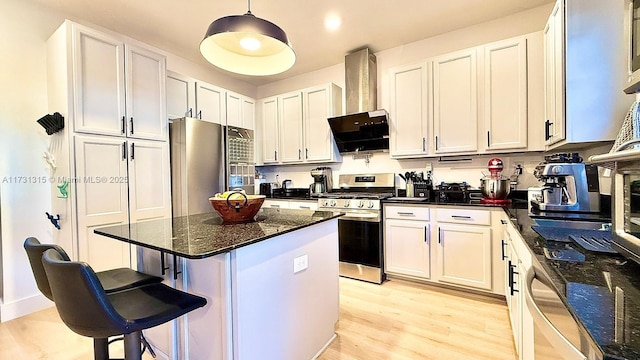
x=203, y=235
x=602, y=292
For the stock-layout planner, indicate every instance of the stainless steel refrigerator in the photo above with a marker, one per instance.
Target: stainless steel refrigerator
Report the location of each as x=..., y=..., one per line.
x=197, y=165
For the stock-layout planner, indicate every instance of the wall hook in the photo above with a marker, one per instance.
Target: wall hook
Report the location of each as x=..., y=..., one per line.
x=54, y=220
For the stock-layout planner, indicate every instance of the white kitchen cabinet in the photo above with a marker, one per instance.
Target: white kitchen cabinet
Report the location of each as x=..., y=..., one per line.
x=270, y=130
x=210, y=103
x=584, y=101
x=505, y=94
x=181, y=100
x=303, y=205
x=149, y=180
x=119, y=88
x=410, y=112
x=295, y=128
x=455, y=102
x=320, y=103
x=407, y=241
x=290, y=120
x=276, y=203
x=240, y=111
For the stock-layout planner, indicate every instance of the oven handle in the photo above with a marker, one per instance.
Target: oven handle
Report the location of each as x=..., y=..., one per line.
x=560, y=343
x=368, y=217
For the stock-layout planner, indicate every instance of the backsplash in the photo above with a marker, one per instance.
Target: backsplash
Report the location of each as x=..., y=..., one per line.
x=470, y=170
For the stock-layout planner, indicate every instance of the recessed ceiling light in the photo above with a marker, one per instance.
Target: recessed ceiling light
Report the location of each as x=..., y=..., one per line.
x=332, y=22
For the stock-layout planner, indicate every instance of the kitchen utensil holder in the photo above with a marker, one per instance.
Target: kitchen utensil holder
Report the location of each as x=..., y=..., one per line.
x=52, y=123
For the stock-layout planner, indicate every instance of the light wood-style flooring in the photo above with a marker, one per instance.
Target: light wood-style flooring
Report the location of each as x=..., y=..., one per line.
x=397, y=320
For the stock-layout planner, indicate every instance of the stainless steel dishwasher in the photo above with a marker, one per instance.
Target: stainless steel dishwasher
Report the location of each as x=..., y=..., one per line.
x=557, y=335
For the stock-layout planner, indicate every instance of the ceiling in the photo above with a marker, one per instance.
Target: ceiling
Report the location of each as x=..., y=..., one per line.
x=178, y=26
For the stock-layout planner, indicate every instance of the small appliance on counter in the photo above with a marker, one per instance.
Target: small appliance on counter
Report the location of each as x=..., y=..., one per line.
x=453, y=192
x=569, y=184
x=322, y=181
x=496, y=187
x=268, y=189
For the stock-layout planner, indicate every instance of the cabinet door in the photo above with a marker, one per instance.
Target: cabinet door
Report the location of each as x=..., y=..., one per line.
x=290, y=120
x=554, y=76
x=210, y=103
x=304, y=205
x=101, y=192
x=248, y=113
x=406, y=248
x=99, y=83
x=505, y=94
x=455, y=102
x=146, y=75
x=149, y=180
x=464, y=255
x=270, y=130
x=180, y=96
x=410, y=110
x=234, y=109
x=318, y=140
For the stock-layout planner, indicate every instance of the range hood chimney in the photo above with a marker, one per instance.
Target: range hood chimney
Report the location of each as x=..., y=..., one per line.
x=365, y=127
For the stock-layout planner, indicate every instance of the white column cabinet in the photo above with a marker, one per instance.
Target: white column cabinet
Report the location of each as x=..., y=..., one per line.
x=119, y=88
x=410, y=112
x=210, y=103
x=270, y=130
x=505, y=94
x=455, y=105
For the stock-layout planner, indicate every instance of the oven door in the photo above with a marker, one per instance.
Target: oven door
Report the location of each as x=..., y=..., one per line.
x=360, y=242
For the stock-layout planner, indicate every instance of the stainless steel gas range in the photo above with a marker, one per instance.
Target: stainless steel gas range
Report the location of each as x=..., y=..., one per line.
x=360, y=229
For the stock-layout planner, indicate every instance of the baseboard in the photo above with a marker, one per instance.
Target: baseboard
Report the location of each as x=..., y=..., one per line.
x=324, y=347
x=22, y=307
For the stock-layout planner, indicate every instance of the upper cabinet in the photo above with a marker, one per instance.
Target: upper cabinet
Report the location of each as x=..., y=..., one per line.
x=295, y=127
x=584, y=98
x=240, y=111
x=410, y=111
x=505, y=94
x=210, y=103
x=181, y=95
x=119, y=88
x=473, y=101
x=455, y=104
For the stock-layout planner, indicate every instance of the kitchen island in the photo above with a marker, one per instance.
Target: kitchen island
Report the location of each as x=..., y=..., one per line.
x=271, y=284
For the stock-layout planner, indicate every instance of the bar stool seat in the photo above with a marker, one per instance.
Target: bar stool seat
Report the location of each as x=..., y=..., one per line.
x=85, y=307
x=111, y=280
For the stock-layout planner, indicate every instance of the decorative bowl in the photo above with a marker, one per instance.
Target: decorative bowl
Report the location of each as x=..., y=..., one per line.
x=237, y=207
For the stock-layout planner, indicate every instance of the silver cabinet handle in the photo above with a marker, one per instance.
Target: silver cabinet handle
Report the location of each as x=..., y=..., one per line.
x=551, y=333
x=461, y=217
x=274, y=206
x=400, y=213
x=305, y=207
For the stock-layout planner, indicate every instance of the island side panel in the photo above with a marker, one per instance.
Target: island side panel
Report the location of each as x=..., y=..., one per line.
x=279, y=314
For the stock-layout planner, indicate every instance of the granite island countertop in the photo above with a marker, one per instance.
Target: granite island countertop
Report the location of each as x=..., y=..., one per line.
x=203, y=235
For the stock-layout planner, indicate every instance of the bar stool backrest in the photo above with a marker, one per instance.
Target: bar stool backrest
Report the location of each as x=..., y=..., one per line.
x=34, y=251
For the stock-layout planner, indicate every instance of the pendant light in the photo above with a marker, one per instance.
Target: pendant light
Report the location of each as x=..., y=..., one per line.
x=248, y=45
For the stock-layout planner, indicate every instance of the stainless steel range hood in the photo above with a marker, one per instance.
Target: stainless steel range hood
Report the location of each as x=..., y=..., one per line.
x=364, y=128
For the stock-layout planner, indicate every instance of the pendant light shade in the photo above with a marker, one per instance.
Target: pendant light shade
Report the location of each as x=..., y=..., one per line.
x=248, y=45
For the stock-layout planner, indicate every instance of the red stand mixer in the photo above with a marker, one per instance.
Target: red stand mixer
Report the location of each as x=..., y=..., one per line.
x=496, y=187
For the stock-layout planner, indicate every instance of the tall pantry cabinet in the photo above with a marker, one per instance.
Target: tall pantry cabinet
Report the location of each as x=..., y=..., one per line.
x=113, y=153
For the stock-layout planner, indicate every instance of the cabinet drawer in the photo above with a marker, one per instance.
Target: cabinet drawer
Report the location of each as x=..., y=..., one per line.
x=305, y=205
x=282, y=204
x=464, y=216
x=407, y=213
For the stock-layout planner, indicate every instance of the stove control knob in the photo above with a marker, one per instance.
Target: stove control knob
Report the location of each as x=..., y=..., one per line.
x=325, y=203
x=360, y=203
x=370, y=205
x=332, y=203
x=347, y=203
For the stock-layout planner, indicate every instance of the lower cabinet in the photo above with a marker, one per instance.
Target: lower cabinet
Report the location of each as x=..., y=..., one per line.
x=444, y=244
x=291, y=204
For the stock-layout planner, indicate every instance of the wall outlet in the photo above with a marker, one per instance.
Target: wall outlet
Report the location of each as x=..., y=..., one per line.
x=300, y=263
x=429, y=167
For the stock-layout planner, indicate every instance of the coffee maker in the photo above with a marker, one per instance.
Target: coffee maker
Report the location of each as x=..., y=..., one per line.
x=569, y=184
x=322, y=181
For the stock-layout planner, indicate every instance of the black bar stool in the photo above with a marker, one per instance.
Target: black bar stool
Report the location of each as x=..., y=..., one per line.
x=88, y=310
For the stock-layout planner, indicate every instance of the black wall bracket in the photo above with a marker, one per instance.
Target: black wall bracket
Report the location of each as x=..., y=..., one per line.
x=52, y=123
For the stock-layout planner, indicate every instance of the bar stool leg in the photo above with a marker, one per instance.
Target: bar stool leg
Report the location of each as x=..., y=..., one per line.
x=101, y=349
x=132, y=346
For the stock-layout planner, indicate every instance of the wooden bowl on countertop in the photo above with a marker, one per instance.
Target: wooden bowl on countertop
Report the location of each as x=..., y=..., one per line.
x=237, y=207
